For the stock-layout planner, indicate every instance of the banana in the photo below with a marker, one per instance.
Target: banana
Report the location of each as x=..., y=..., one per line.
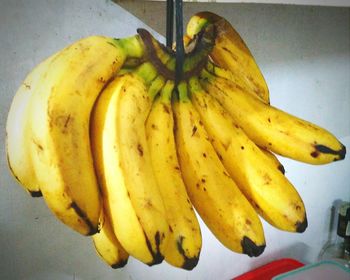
x=231, y=53
x=59, y=122
x=124, y=167
x=273, y=129
x=271, y=194
x=228, y=75
x=214, y=194
x=17, y=131
x=107, y=245
x=185, y=239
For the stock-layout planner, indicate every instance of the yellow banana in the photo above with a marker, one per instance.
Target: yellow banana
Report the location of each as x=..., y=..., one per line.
x=18, y=132
x=237, y=79
x=124, y=167
x=273, y=129
x=185, y=240
x=59, y=117
x=107, y=245
x=231, y=53
x=269, y=191
x=214, y=194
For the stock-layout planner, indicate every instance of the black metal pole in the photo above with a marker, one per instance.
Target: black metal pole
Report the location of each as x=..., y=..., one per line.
x=180, y=50
x=169, y=23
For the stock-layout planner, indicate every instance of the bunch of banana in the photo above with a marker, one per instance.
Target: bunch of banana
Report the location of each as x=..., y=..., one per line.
x=121, y=153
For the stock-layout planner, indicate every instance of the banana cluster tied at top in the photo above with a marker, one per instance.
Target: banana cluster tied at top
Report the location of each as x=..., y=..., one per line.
x=121, y=153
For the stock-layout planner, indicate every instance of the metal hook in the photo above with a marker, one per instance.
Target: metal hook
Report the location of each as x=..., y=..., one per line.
x=169, y=23
x=180, y=50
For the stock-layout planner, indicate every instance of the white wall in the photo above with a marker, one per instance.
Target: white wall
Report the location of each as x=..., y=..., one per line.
x=305, y=57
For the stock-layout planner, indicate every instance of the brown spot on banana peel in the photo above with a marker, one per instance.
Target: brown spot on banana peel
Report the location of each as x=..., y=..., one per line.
x=250, y=248
x=119, y=264
x=92, y=229
x=189, y=263
x=157, y=256
x=166, y=109
x=326, y=150
x=171, y=229
x=140, y=149
x=194, y=129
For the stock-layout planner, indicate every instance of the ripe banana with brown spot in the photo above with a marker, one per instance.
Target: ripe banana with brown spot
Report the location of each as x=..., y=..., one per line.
x=269, y=191
x=214, y=194
x=185, y=241
x=124, y=167
x=273, y=129
x=231, y=53
x=59, y=121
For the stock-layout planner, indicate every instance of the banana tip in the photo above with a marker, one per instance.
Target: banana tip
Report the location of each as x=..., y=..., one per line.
x=190, y=263
x=119, y=264
x=301, y=226
x=35, y=193
x=250, y=248
x=342, y=152
x=157, y=259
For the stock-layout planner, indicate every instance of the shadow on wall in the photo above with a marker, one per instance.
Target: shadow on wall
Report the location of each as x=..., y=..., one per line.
x=333, y=223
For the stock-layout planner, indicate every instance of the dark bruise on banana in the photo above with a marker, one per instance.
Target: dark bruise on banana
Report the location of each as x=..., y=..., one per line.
x=156, y=255
x=189, y=263
x=92, y=229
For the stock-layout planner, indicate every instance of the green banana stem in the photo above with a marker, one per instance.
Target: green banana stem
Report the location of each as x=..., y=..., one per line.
x=133, y=46
x=164, y=59
x=167, y=91
x=147, y=72
x=205, y=75
x=183, y=92
x=211, y=67
x=193, y=30
x=194, y=85
x=156, y=86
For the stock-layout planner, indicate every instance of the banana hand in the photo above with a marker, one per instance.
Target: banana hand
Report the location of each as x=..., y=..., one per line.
x=269, y=191
x=124, y=167
x=185, y=240
x=59, y=118
x=273, y=129
x=215, y=196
